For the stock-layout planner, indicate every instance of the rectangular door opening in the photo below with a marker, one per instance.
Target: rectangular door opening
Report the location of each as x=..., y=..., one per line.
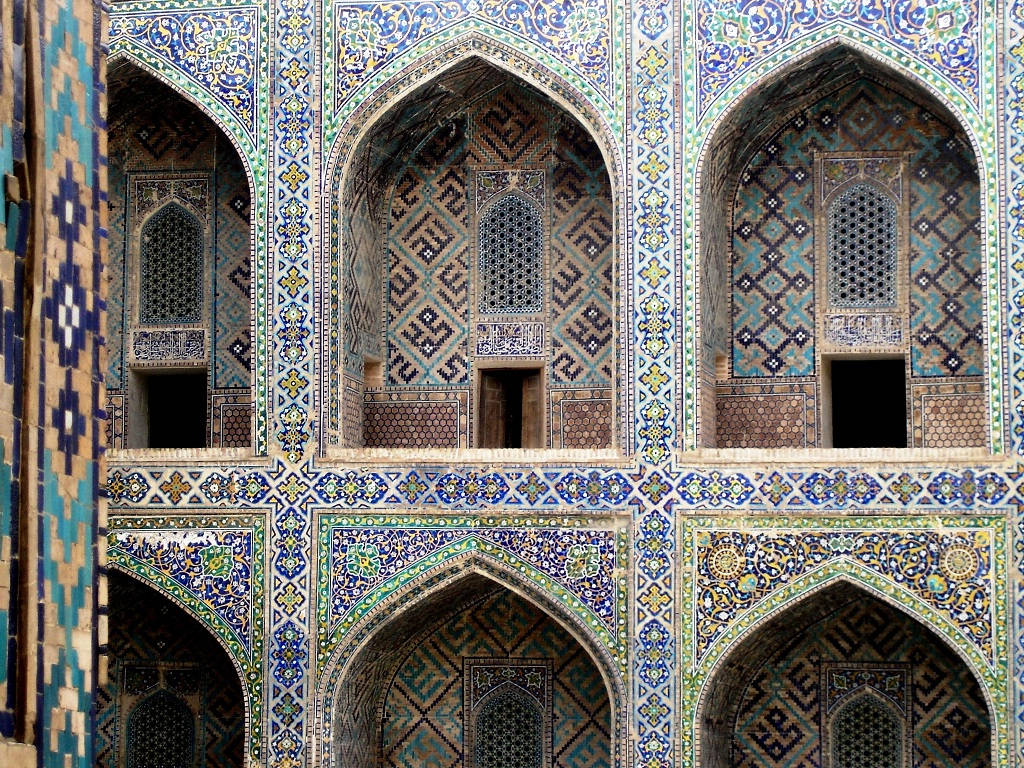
x=172, y=406
x=511, y=414
x=869, y=403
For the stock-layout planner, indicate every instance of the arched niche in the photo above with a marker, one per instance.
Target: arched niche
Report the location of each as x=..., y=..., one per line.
x=468, y=621
x=165, y=670
x=167, y=155
x=419, y=362
x=775, y=348
x=777, y=694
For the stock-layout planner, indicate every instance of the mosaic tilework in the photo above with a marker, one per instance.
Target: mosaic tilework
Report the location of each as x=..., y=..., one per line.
x=953, y=564
x=950, y=572
x=364, y=559
x=949, y=413
x=734, y=37
x=14, y=220
x=794, y=489
x=216, y=49
x=231, y=422
x=778, y=415
x=425, y=699
x=582, y=268
x=428, y=269
x=147, y=151
x=424, y=419
x=582, y=418
x=161, y=638
x=1011, y=89
x=212, y=566
x=232, y=312
x=368, y=109
x=659, y=740
x=773, y=266
x=784, y=715
x=368, y=36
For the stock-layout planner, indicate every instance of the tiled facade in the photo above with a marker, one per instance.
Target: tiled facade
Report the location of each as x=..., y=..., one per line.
x=348, y=546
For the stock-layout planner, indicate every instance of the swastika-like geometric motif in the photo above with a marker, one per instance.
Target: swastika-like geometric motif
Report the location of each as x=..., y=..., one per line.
x=171, y=260
x=427, y=287
x=862, y=241
x=161, y=733
x=511, y=257
x=866, y=734
x=773, y=239
x=778, y=718
x=509, y=732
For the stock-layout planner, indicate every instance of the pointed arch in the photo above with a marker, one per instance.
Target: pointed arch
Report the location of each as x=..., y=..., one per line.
x=376, y=102
x=742, y=116
x=349, y=173
x=436, y=595
x=250, y=689
x=233, y=221
x=195, y=96
x=770, y=626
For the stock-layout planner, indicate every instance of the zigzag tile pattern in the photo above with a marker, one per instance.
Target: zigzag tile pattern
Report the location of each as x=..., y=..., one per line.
x=232, y=274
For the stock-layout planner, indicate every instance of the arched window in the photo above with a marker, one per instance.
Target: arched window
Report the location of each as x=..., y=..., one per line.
x=511, y=258
x=161, y=733
x=866, y=734
x=509, y=732
x=863, y=243
x=171, y=279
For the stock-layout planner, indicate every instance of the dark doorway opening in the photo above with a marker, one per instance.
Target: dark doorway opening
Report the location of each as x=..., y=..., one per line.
x=176, y=405
x=510, y=408
x=869, y=403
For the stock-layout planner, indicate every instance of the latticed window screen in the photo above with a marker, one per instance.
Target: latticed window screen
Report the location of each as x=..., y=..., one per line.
x=511, y=257
x=171, y=257
x=862, y=248
x=866, y=734
x=509, y=732
x=160, y=733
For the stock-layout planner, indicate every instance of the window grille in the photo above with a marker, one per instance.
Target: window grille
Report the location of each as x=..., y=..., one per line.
x=866, y=734
x=171, y=256
x=862, y=248
x=161, y=733
x=511, y=257
x=509, y=732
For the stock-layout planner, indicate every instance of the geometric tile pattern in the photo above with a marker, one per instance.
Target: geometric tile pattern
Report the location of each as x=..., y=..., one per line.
x=232, y=311
x=777, y=415
x=582, y=418
x=160, y=140
x=582, y=279
x=213, y=567
x=160, y=637
x=783, y=705
x=434, y=419
x=661, y=732
x=773, y=235
x=425, y=699
x=429, y=236
x=427, y=287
